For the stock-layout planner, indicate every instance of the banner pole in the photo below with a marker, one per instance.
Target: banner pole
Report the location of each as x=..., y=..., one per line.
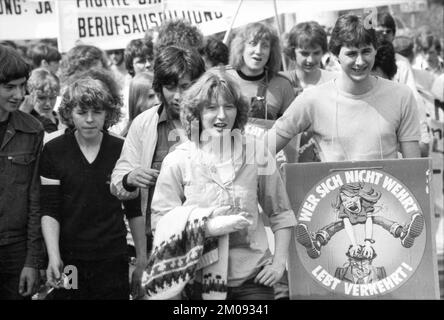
x=227, y=34
x=284, y=62
x=164, y=5
x=59, y=33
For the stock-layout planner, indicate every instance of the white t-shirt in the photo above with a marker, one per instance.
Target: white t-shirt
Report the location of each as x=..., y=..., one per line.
x=354, y=127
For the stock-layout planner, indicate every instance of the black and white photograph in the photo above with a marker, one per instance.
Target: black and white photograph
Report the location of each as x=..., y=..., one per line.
x=275, y=151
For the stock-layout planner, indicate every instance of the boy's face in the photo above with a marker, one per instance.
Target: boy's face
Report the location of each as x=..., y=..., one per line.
x=11, y=96
x=88, y=122
x=357, y=63
x=44, y=100
x=308, y=59
x=172, y=95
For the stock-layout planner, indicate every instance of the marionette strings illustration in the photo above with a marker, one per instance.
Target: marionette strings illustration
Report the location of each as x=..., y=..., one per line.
x=360, y=204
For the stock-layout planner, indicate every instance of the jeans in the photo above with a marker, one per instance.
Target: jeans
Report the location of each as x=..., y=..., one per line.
x=98, y=280
x=246, y=291
x=12, y=260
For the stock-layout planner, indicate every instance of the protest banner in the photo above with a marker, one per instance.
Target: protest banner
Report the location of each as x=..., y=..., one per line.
x=20, y=19
x=111, y=24
x=384, y=209
x=106, y=24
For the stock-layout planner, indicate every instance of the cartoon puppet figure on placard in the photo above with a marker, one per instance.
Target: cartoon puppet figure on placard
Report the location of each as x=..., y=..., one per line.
x=355, y=204
x=359, y=269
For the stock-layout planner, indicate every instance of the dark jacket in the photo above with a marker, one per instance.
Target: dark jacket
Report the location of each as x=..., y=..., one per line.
x=20, y=186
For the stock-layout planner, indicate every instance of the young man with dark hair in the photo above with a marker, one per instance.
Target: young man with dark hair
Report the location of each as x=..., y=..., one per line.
x=357, y=116
x=45, y=56
x=337, y=111
x=138, y=58
x=149, y=137
x=21, y=136
x=215, y=52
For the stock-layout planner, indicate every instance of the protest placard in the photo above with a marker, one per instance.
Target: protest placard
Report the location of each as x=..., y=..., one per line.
x=364, y=230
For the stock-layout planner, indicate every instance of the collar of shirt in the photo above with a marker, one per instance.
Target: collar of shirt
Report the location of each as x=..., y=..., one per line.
x=162, y=113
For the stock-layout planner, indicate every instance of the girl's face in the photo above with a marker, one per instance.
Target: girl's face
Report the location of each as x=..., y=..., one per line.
x=217, y=119
x=357, y=63
x=44, y=100
x=431, y=56
x=256, y=55
x=142, y=64
x=308, y=59
x=116, y=57
x=88, y=122
x=151, y=100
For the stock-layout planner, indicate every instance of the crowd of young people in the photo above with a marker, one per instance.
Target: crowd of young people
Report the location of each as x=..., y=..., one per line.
x=147, y=146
